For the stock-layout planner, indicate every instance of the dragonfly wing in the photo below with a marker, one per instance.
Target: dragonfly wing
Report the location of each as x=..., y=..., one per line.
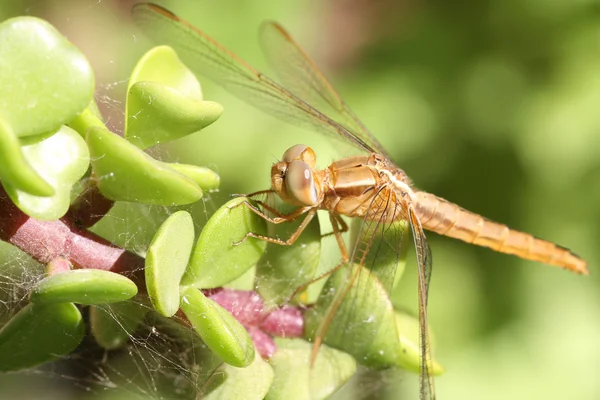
x=354, y=311
x=424, y=260
x=204, y=55
x=299, y=74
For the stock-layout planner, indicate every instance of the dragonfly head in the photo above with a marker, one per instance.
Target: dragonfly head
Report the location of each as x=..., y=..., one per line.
x=293, y=178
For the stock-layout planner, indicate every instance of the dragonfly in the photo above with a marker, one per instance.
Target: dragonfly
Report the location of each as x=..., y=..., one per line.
x=369, y=186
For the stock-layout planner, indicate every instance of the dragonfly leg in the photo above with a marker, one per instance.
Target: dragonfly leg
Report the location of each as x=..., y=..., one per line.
x=311, y=212
x=260, y=192
x=337, y=231
x=279, y=217
x=342, y=227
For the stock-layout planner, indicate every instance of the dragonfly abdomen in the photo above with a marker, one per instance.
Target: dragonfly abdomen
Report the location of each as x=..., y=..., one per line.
x=446, y=218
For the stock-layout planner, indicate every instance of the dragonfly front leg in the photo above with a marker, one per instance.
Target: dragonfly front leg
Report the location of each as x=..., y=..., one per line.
x=279, y=217
x=310, y=214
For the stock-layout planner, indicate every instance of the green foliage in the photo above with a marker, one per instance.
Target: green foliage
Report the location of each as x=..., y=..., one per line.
x=165, y=100
x=218, y=258
x=15, y=170
x=126, y=173
x=368, y=331
x=221, y=332
x=296, y=379
x=40, y=333
x=84, y=286
x=64, y=145
x=167, y=258
x=45, y=153
x=408, y=332
x=251, y=383
x=46, y=82
x=32, y=53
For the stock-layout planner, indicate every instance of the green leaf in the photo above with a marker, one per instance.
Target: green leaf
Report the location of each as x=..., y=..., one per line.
x=113, y=324
x=250, y=383
x=89, y=118
x=283, y=269
x=166, y=260
x=40, y=333
x=364, y=323
x=46, y=80
x=206, y=178
x=221, y=332
x=14, y=168
x=295, y=379
x=410, y=356
x=216, y=260
x=84, y=286
x=61, y=160
x=161, y=64
x=164, y=101
x=125, y=173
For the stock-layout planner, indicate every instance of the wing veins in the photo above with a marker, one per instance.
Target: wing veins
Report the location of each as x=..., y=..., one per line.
x=227, y=69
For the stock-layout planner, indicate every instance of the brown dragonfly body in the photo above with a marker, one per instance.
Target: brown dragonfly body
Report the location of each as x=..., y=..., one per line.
x=370, y=187
x=446, y=218
x=349, y=187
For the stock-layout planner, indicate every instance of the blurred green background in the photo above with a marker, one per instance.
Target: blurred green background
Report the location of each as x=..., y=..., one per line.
x=494, y=105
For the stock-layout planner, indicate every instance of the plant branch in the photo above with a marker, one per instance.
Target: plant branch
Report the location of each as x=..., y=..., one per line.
x=64, y=240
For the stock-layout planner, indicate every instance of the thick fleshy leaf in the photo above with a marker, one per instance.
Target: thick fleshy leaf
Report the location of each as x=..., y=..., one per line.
x=89, y=118
x=46, y=80
x=283, y=269
x=206, y=178
x=61, y=160
x=217, y=260
x=161, y=114
x=408, y=331
x=125, y=173
x=166, y=260
x=14, y=168
x=161, y=64
x=84, y=286
x=249, y=383
x=165, y=100
x=221, y=332
x=113, y=324
x=296, y=379
x=40, y=333
x=364, y=324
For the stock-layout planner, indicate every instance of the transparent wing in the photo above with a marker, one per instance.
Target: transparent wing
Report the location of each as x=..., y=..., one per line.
x=360, y=317
x=379, y=244
x=300, y=75
x=424, y=261
x=378, y=248
x=354, y=307
x=204, y=55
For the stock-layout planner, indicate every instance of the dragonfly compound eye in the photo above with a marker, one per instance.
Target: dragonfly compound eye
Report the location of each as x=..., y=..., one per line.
x=300, y=183
x=300, y=152
x=293, y=152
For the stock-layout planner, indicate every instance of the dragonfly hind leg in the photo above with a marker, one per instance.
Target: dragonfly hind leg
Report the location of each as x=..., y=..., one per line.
x=337, y=231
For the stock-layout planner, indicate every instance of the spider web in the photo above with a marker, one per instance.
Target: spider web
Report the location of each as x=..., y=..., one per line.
x=162, y=359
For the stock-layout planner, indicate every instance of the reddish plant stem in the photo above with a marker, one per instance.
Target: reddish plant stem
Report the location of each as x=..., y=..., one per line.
x=89, y=207
x=47, y=240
